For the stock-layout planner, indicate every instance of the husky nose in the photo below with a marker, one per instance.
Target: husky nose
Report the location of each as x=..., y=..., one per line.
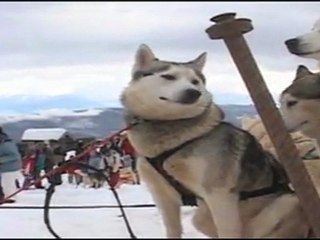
x=190, y=96
x=292, y=44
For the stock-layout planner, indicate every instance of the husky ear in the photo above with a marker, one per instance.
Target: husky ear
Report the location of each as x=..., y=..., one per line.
x=302, y=71
x=144, y=57
x=199, y=62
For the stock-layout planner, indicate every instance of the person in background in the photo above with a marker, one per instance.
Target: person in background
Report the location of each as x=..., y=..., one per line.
x=126, y=146
x=40, y=163
x=70, y=171
x=84, y=157
x=113, y=165
x=96, y=161
x=115, y=144
x=58, y=152
x=28, y=166
x=128, y=149
x=10, y=166
x=126, y=173
x=1, y=191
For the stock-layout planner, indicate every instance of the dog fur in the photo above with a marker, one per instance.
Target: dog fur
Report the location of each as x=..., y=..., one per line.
x=300, y=103
x=173, y=105
x=305, y=145
x=304, y=91
x=306, y=45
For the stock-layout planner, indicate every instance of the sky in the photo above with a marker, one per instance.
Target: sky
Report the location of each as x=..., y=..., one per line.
x=77, y=55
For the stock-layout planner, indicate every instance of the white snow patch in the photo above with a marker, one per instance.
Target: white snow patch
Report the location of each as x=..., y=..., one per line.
x=88, y=223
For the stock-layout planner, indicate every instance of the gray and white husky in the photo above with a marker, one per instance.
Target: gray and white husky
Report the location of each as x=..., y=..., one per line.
x=188, y=154
x=306, y=45
x=300, y=103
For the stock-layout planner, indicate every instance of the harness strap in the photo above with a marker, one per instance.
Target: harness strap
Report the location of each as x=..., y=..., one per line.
x=277, y=186
x=244, y=195
x=280, y=181
x=188, y=198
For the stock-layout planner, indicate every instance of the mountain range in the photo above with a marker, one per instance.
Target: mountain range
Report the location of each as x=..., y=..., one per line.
x=96, y=122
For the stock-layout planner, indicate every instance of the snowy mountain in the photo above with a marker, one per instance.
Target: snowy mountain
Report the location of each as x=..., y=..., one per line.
x=96, y=122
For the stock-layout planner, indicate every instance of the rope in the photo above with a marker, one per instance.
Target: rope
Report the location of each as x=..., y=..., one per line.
x=50, y=192
x=81, y=207
x=62, y=167
x=46, y=218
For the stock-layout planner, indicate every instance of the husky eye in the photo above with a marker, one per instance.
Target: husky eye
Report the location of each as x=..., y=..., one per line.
x=194, y=81
x=168, y=77
x=147, y=74
x=291, y=103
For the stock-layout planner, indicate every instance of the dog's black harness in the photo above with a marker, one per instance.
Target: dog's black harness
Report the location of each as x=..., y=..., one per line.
x=189, y=198
x=277, y=186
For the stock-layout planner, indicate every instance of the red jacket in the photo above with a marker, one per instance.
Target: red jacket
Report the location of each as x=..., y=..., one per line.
x=127, y=147
x=29, y=163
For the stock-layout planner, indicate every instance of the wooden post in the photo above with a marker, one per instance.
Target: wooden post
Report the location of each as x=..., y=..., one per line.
x=231, y=30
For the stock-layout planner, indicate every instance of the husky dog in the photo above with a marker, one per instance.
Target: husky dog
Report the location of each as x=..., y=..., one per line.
x=186, y=150
x=307, y=45
x=305, y=145
x=256, y=127
x=300, y=103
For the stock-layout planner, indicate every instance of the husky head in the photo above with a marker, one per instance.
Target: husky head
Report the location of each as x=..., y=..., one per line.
x=300, y=103
x=307, y=45
x=162, y=90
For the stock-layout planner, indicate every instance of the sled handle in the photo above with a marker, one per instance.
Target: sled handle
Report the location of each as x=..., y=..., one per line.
x=231, y=30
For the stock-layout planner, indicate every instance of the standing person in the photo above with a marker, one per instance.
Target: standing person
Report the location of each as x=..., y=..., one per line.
x=115, y=144
x=1, y=190
x=49, y=160
x=10, y=165
x=113, y=163
x=126, y=146
x=50, y=164
x=58, y=155
x=96, y=161
x=128, y=149
x=40, y=163
x=80, y=148
x=58, y=152
x=127, y=174
x=70, y=171
x=28, y=166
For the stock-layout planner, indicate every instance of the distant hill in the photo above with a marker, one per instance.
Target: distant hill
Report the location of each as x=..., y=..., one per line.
x=97, y=123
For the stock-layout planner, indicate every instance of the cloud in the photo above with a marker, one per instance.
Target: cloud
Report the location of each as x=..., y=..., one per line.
x=55, y=115
x=87, y=33
x=81, y=86
x=85, y=49
x=70, y=87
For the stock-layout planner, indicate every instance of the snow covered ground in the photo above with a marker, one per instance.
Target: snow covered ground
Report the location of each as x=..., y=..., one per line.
x=88, y=223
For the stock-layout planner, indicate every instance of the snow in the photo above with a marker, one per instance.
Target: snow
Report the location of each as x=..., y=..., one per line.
x=43, y=134
x=88, y=223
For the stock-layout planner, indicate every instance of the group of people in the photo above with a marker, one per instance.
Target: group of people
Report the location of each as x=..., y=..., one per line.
x=41, y=158
x=116, y=159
